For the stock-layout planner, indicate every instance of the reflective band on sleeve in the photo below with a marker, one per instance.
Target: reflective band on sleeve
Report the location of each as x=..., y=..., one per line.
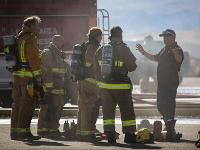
x=58, y=91
x=48, y=84
x=91, y=80
x=114, y=86
x=108, y=122
x=128, y=123
x=59, y=70
x=23, y=73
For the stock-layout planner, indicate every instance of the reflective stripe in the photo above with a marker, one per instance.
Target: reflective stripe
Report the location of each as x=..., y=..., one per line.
x=21, y=130
x=128, y=123
x=119, y=63
x=108, y=122
x=114, y=86
x=58, y=91
x=23, y=73
x=6, y=50
x=100, y=62
x=81, y=132
x=22, y=52
x=59, y=70
x=87, y=64
x=42, y=129
x=48, y=84
x=91, y=80
x=36, y=73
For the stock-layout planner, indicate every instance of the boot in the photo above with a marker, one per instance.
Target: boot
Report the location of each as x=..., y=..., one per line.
x=110, y=136
x=28, y=136
x=197, y=143
x=14, y=136
x=130, y=138
x=171, y=133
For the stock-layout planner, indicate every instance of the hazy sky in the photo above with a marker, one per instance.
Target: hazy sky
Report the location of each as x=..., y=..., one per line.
x=141, y=17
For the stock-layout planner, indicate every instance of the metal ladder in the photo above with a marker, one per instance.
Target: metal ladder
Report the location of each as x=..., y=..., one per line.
x=104, y=24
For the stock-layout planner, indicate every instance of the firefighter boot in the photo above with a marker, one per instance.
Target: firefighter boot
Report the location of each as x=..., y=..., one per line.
x=130, y=138
x=28, y=136
x=171, y=133
x=14, y=135
x=110, y=136
x=198, y=141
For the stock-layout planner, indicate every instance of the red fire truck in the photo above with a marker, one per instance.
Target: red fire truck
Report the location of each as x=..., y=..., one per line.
x=70, y=18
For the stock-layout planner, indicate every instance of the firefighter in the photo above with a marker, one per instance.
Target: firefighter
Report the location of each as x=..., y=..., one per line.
x=88, y=99
x=53, y=76
x=116, y=90
x=169, y=61
x=28, y=71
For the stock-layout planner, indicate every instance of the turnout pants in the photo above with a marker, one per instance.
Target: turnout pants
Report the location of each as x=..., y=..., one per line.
x=50, y=113
x=166, y=102
x=110, y=98
x=88, y=108
x=22, y=107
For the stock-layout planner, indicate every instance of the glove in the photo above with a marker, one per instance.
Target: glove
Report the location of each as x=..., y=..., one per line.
x=37, y=85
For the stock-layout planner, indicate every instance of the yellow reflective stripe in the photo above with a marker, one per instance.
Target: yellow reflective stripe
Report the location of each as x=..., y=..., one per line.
x=42, y=129
x=59, y=70
x=48, y=84
x=22, y=51
x=91, y=80
x=119, y=63
x=100, y=62
x=127, y=123
x=57, y=91
x=22, y=130
x=23, y=73
x=107, y=122
x=6, y=50
x=36, y=73
x=114, y=86
x=81, y=132
x=87, y=64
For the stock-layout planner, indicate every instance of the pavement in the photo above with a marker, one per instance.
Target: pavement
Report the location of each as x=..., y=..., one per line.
x=187, y=126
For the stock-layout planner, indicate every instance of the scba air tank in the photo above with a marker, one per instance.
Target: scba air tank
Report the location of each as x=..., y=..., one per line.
x=106, y=64
x=77, y=62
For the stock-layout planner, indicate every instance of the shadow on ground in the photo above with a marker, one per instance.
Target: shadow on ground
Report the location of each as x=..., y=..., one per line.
x=45, y=143
x=135, y=146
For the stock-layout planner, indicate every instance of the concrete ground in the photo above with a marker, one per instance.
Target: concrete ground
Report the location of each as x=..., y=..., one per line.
x=189, y=131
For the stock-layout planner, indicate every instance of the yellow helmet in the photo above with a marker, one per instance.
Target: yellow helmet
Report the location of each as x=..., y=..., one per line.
x=144, y=136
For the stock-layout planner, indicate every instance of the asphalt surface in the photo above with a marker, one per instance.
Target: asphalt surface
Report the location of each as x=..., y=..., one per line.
x=189, y=131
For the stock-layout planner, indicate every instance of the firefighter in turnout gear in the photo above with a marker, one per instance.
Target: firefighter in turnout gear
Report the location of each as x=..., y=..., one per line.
x=169, y=61
x=28, y=71
x=88, y=97
x=116, y=88
x=54, y=70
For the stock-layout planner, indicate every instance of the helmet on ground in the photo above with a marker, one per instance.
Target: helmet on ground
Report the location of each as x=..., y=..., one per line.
x=144, y=136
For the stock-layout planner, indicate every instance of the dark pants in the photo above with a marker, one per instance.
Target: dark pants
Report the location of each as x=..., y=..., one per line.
x=166, y=102
x=23, y=105
x=122, y=98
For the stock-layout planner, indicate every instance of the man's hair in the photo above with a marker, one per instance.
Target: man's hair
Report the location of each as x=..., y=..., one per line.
x=32, y=20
